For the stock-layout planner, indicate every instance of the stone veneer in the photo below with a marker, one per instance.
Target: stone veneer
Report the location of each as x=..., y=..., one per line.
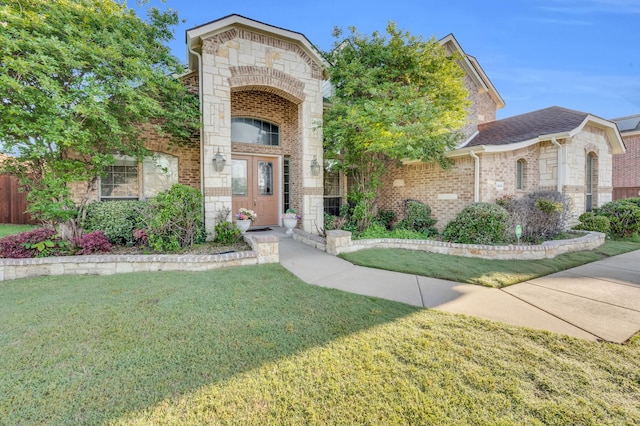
x=264, y=250
x=239, y=62
x=340, y=242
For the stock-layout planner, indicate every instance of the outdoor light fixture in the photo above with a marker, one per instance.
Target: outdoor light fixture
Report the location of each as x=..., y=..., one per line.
x=315, y=167
x=219, y=161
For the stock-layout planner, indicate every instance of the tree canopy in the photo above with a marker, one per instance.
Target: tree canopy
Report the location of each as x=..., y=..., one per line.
x=396, y=97
x=78, y=78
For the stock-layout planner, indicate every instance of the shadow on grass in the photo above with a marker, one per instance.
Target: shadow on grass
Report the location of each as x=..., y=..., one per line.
x=92, y=349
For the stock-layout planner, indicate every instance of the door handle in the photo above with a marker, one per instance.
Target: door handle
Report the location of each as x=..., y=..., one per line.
x=254, y=202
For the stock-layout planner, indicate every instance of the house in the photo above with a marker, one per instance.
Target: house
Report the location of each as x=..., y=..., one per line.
x=260, y=146
x=626, y=167
x=550, y=149
x=261, y=95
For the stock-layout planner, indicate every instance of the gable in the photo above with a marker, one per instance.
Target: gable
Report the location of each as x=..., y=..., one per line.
x=208, y=37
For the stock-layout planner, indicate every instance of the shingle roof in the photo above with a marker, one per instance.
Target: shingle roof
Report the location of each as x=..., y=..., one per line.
x=528, y=126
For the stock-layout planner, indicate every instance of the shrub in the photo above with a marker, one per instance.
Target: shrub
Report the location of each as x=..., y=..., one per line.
x=591, y=222
x=385, y=218
x=227, y=233
x=140, y=237
x=35, y=243
x=93, y=242
x=417, y=218
x=174, y=219
x=542, y=214
x=118, y=219
x=623, y=215
x=479, y=223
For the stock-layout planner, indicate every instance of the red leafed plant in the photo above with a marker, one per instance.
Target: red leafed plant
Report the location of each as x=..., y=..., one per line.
x=93, y=242
x=24, y=244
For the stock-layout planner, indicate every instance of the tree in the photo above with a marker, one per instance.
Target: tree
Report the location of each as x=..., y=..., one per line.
x=78, y=78
x=396, y=97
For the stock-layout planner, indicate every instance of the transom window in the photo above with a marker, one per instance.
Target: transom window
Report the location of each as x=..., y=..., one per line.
x=255, y=131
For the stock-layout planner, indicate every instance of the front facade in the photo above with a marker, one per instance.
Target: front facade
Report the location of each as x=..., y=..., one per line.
x=260, y=146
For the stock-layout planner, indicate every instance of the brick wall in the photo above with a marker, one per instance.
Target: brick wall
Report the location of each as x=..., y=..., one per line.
x=275, y=109
x=499, y=170
x=188, y=155
x=445, y=191
x=626, y=167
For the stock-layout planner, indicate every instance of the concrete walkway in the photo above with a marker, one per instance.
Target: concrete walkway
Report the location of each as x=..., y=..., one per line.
x=598, y=301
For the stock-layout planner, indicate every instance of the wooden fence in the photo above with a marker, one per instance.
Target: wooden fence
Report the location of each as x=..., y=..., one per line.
x=12, y=202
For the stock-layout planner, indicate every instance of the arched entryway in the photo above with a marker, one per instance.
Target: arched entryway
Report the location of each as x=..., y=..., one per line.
x=266, y=154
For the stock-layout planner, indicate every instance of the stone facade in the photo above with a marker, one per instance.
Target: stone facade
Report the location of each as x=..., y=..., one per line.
x=262, y=72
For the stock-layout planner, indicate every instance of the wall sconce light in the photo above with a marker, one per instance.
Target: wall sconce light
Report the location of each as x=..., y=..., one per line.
x=219, y=161
x=315, y=167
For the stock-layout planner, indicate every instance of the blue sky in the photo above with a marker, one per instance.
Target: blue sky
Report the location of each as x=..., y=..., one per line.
x=579, y=54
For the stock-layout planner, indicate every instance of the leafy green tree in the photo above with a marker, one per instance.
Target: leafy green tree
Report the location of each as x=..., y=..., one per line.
x=396, y=97
x=78, y=78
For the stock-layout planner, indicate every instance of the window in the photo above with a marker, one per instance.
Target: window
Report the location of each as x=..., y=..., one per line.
x=589, y=174
x=332, y=193
x=127, y=179
x=252, y=130
x=120, y=180
x=521, y=174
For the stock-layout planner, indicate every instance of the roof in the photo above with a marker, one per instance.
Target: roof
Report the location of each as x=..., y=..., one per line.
x=528, y=126
x=542, y=125
x=195, y=35
x=474, y=70
x=628, y=124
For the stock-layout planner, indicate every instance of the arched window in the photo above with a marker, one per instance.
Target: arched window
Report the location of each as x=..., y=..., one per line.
x=521, y=174
x=255, y=131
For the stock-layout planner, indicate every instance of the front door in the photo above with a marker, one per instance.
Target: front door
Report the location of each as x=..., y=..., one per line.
x=255, y=187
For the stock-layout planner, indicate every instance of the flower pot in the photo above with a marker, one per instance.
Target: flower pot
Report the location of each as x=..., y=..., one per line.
x=289, y=224
x=243, y=225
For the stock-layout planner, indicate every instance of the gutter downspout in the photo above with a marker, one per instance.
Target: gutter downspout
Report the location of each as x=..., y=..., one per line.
x=201, y=106
x=560, y=164
x=476, y=179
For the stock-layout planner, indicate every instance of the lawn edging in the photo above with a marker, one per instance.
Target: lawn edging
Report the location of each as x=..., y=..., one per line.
x=338, y=242
x=264, y=250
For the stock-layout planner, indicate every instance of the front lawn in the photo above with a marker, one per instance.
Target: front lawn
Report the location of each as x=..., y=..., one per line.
x=255, y=345
x=490, y=273
x=11, y=229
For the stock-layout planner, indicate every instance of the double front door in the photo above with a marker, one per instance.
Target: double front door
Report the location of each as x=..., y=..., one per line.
x=255, y=186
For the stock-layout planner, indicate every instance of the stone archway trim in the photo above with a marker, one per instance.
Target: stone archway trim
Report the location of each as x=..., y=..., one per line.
x=259, y=78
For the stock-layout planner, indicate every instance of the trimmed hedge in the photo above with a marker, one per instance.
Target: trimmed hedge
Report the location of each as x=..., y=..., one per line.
x=117, y=219
x=479, y=223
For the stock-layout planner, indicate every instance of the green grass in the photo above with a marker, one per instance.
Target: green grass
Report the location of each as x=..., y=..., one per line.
x=255, y=346
x=490, y=273
x=10, y=229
